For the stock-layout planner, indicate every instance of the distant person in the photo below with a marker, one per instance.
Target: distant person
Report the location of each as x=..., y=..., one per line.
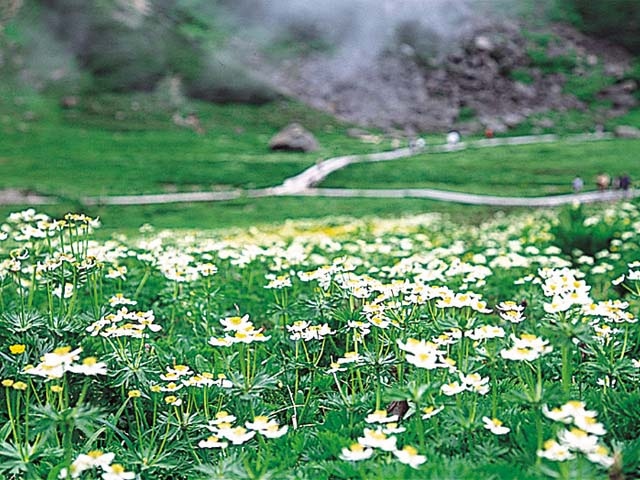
x=577, y=184
x=488, y=132
x=602, y=181
x=453, y=137
x=624, y=182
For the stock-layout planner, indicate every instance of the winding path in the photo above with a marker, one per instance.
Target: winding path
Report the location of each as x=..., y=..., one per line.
x=304, y=183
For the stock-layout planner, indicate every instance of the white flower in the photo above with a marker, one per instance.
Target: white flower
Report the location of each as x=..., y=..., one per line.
x=212, y=442
x=274, y=431
x=261, y=422
x=555, y=452
x=426, y=360
x=237, y=435
x=409, y=456
x=119, y=299
x=68, y=291
x=350, y=357
x=356, y=452
x=236, y=324
x=392, y=428
x=453, y=388
x=378, y=439
x=117, y=472
x=222, y=417
x=495, y=426
x=90, y=366
x=220, y=342
x=576, y=439
x=618, y=280
x=380, y=416
x=600, y=455
x=93, y=459
x=428, y=412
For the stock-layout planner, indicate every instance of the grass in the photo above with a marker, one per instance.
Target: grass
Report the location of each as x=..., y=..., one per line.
x=248, y=212
x=527, y=170
x=123, y=144
x=87, y=151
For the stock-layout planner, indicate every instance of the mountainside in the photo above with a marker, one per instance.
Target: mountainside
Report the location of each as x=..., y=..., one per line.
x=495, y=78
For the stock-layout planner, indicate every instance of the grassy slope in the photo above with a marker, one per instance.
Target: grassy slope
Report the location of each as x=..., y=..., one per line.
x=527, y=170
x=88, y=152
x=262, y=211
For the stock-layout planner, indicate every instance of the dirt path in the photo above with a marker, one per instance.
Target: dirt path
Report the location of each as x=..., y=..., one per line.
x=304, y=183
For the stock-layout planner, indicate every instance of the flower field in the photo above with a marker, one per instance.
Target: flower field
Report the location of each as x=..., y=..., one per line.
x=364, y=349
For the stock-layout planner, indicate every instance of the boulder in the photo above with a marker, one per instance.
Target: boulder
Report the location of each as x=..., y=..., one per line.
x=512, y=120
x=627, y=131
x=483, y=43
x=294, y=137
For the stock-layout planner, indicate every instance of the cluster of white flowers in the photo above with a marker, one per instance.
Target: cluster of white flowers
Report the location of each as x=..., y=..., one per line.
x=511, y=311
x=97, y=459
x=277, y=282
x=423, y=354
x=223, y=429
x=303, y=330
x=526, y=347
x=63, y=359
x=124, y=323
x=582, y=436
x=243, y=332
x=565, y=287
x=382, y=438
x=473, y=382
x=27, y=225
x=179, y=376
x=610, y=310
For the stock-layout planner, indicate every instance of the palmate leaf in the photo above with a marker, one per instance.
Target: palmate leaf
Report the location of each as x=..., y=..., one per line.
x=11, y=458
x=229, y=467
x=18, y=323
x=24, y=465
x=48, y=420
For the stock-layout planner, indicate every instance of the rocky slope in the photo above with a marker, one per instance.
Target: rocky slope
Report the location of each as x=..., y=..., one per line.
x=495, y=77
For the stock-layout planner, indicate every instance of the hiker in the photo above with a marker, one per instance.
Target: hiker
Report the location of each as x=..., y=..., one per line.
x=417, y=144
x=577, y=184
x=624, y=182
x=453, y=137
x=602, y=181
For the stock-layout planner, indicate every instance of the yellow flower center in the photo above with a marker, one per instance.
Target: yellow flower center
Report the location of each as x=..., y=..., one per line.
x=410, y=450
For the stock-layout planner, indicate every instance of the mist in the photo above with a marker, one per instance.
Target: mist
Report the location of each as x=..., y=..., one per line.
x=354, y=31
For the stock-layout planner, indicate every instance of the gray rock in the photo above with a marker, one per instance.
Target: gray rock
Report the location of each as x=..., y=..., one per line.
x=620, y=94
x=294, y=137
x=627, y=131
x=512, y=120
x=484, y=43
x=525, y=91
